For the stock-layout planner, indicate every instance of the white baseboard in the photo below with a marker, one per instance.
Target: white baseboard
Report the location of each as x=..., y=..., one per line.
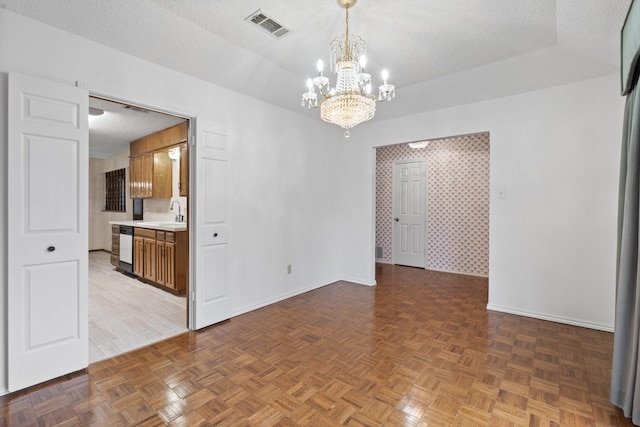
x=557, y=319
x=464, y=273
x=383, y=261
x=3, y=391
x=281, y=297
x=360, y=281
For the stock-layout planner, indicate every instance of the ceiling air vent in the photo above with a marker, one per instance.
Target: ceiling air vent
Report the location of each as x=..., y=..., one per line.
x=269, y=25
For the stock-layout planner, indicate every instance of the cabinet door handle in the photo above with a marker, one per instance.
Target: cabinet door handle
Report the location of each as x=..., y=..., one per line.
x=215, y=234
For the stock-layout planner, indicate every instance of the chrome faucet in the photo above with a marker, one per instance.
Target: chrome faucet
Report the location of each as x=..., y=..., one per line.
x=179, y=217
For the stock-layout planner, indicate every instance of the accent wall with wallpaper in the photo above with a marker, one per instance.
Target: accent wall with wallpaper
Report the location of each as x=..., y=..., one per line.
x=457, y=185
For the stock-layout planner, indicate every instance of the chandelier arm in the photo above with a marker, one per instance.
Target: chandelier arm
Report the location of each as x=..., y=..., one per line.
x=325, y=91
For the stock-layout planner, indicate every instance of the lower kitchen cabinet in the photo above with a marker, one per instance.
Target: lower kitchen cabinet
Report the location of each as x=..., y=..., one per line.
x=165, y=259
x=149, y=263
x=115, y=245
x=138, y=255
x=161, y=258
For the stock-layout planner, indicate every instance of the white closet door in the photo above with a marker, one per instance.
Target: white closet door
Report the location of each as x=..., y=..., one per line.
x=211, y=300
x=47, y=235
x=409, y=210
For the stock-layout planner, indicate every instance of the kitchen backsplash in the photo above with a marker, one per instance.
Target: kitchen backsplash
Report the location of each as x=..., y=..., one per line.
x=159, y=209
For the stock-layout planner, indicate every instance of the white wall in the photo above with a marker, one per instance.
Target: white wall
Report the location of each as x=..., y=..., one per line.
x=99, y=227
x=119, y=161
x=96, y=204
x=284, y=174
x=552, y=239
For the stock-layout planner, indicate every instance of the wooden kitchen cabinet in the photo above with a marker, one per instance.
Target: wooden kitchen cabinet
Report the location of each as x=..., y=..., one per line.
x=141, y=176
x=170, y=265
x=148, y=267
x=175, y=134
x=184, y=170
x=150, y=176
x=150, y=166
x=138, y=255
x=165, y=259
x=162, y=185
x=161, y=258
x=115, y=245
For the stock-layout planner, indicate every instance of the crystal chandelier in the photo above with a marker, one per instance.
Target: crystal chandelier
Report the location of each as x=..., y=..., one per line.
x=350, y=102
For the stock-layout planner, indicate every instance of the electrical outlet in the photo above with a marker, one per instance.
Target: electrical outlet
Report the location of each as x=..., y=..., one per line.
x=289, y=269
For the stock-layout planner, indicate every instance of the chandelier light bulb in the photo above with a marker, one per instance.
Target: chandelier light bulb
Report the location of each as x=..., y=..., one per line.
x=310, y=85
x=320, y=66
x=363, y=62
x=385, y=76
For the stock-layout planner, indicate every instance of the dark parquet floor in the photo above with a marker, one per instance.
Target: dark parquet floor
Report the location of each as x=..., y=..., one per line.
x=418, y=349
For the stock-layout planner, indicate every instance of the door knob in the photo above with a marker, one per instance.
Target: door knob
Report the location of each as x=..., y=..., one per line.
x=396, y=219
x=51, y=248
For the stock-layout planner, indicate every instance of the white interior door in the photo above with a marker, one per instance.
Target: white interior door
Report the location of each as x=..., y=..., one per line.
x=211, y=300
x=47, y=230
x=409, y=213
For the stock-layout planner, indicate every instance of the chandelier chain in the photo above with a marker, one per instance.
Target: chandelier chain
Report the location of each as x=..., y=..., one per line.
x=347, y=52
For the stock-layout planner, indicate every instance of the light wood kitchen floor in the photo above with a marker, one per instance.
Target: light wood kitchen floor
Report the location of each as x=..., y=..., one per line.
x=126, y=314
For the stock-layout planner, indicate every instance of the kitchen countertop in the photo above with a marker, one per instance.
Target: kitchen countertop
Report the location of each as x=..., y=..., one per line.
x=154, y=225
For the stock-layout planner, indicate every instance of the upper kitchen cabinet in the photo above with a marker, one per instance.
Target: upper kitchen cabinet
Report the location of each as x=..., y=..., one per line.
x=162, y=175
x=141, y=176
x=150, y=168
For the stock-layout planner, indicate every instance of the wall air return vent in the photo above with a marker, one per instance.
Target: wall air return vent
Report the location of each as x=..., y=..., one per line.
x=267, y=24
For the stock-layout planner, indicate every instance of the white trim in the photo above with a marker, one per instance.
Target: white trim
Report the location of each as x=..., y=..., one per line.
x=282, y=297
x=363, y=282
x=116, y=95
x=4, y=391
x=383, y=261
x=374, y=203
x=149, y=104
x=464, y=273
x=563, y=320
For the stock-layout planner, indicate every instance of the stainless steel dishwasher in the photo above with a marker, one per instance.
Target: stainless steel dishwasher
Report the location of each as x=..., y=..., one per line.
x=126, y=248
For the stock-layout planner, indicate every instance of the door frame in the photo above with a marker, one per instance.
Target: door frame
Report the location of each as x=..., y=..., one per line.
x=394, y=232
x=191, y=117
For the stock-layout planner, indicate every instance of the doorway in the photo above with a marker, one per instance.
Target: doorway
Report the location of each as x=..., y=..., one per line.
x=457, y=199
x=124, y=312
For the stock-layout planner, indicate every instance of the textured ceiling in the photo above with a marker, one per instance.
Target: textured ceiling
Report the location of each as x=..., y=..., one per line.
x=439, y=53
x=111, y=132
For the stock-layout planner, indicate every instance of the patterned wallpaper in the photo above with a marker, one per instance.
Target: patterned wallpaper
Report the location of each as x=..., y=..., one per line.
x=457, y=227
